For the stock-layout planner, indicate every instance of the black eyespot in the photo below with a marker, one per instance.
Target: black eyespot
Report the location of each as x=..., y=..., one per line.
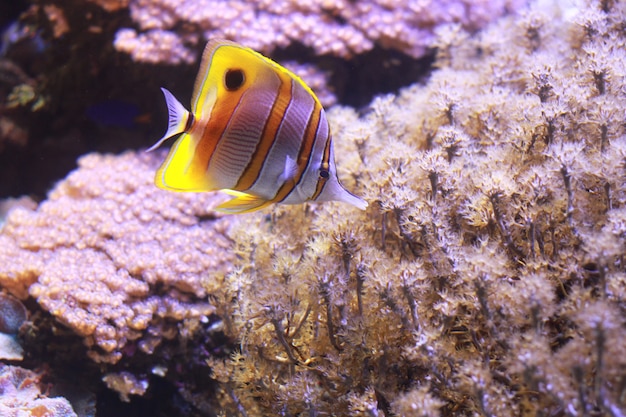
x=324, y=173
x=234, y=79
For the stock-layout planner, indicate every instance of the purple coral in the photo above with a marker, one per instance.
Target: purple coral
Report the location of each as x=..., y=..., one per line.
x=113, y=257
x=341, y=28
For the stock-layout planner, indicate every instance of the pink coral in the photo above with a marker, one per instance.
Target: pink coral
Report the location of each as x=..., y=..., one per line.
x=341, y=28
x=153, y=46
x=20, y=396
x=113, y=257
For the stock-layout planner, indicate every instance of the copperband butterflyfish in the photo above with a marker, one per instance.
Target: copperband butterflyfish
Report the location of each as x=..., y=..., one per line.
x=255, y=130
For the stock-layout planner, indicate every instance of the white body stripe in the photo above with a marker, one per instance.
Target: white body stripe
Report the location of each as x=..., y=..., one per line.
x=242, y=134
x=288, y=141
x=305, y=189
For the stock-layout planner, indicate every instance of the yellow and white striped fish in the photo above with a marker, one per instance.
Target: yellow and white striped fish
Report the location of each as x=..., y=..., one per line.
x=255, y=130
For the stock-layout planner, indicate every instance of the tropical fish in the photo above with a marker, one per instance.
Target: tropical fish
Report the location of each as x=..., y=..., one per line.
x=255, y=131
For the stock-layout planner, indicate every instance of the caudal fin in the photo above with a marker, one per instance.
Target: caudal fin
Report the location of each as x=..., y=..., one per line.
x=178, y=119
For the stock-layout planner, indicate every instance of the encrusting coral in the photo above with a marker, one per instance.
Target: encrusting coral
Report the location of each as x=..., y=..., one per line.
x=487, y=277
x=114, y=258
x=21, y=396
x=341, y=28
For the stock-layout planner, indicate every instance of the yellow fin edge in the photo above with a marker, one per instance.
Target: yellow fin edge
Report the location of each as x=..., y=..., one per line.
x=242, y=203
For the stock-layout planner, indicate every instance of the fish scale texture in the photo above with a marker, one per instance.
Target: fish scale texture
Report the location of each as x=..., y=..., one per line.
x=113, y=257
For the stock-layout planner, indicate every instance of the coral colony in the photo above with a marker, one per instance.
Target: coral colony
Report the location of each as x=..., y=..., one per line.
x=173, y=32
x=114, y=258
x=485, y=278
x=341, y=28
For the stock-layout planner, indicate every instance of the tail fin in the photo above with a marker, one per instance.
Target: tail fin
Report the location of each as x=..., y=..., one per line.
x=179, y=119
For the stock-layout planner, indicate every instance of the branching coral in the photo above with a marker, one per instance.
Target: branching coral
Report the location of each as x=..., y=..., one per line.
x=342, y=28
x=488, y=277
x=114, y=258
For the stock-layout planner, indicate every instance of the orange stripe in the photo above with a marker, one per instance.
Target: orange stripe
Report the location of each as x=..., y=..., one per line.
x=304, y=155
x=321, y=182
x=269, y=135
x=213, y=130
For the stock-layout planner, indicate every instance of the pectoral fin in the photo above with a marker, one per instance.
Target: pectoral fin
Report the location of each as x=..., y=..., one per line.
x=289, y=171
x=242, y=203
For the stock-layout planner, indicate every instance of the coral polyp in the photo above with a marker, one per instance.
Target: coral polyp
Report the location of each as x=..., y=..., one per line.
x=488, y=276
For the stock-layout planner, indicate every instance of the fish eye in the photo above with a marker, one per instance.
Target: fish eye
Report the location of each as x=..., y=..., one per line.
x=234, y=79
x=324, y=173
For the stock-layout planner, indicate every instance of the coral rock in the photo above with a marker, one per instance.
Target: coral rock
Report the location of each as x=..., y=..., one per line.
x=125, y=384
x=12, y=314
x=20, y=396
x=10, y=349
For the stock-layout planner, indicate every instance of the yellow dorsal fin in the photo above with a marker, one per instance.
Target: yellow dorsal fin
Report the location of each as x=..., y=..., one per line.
x=242, y=203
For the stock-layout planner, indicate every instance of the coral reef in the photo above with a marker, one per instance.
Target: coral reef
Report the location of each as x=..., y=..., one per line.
x=60, y=60
x=8, y=204
x=18, y=87
x=115, y=259
x=20, y=396
x=487, y=276
x=341, y=28
x=16, y=90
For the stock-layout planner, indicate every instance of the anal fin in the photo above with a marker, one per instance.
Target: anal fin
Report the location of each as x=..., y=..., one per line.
x=242, y=203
